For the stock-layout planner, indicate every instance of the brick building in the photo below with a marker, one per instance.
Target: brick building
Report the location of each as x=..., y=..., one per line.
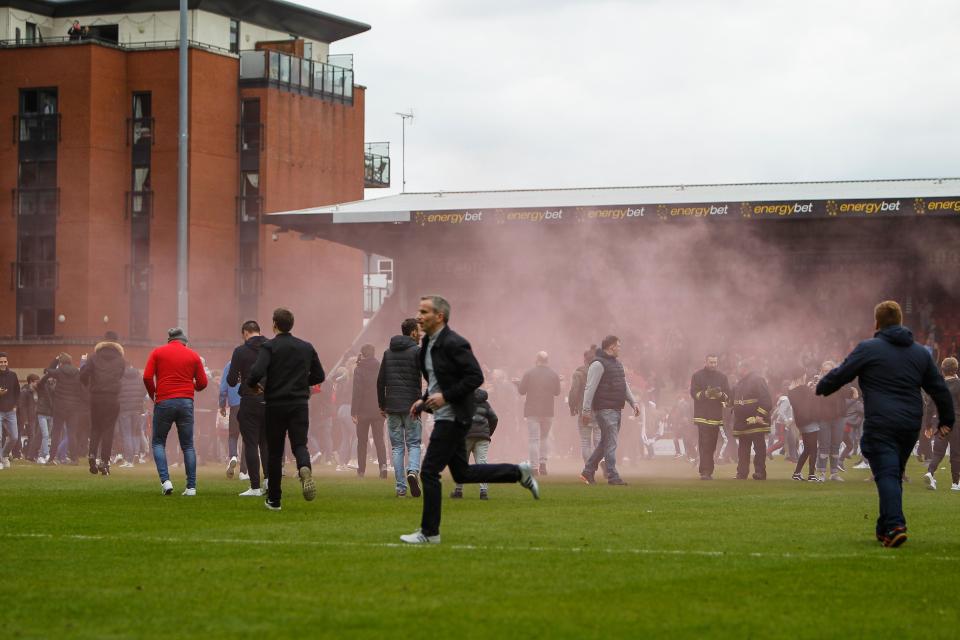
x=88, y=152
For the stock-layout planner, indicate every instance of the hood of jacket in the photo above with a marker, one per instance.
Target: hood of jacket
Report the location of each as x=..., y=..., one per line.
x=108, y=348
x=897, y=335
x=480, y=395
x=401, y=343
x=369, y=365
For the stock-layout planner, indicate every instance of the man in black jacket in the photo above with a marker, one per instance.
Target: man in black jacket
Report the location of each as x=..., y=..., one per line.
x=398, y=387
x=452, y=374
x=251, y=415
x=101, y=375
x=541, y=386
x=365, y=410
x=892, y=369
x=291, y=366
x=68, y=403
x=710, y=391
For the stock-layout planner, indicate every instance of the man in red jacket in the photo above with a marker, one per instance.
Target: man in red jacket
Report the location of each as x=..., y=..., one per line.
x=172, y=374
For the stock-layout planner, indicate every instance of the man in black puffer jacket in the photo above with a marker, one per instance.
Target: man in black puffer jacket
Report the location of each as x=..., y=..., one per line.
x=102, y=375
x=68, y=402
x=398, y=387
x=892, y=369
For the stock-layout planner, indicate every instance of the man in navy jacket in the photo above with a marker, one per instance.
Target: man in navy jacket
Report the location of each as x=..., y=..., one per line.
x=892, y=369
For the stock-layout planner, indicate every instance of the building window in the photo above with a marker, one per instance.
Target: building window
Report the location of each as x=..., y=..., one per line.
x=31, y=32
x=234, y=36
x=140, y=206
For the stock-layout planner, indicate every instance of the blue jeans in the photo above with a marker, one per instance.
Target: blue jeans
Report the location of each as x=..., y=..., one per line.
x=8, y=423
x=129, y=423
x=589, y=439
x=888, y=452
x=609, y=422
x=404, y=432
x=44, y=423
x=165, y=413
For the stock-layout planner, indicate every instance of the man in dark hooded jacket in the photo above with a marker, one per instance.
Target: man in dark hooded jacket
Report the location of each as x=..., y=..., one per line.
x=892, y=369
x=101, y=375
x=252, y=414
x=365, y=410
x=68, y=402
x=398, y=387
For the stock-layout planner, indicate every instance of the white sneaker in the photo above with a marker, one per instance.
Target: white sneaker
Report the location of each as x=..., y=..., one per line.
x=244, y=476
x=231, y=467
x=167, y=488
x=528, y=481
x=863, y=464
x=955, y=486
x=6, y=463
x=417, y=537
x=930, y=480
x=189, y=492
x=252, y=492
x=126, y=465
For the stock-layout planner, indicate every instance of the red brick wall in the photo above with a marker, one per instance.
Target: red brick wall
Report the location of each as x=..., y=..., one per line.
x=313, y=156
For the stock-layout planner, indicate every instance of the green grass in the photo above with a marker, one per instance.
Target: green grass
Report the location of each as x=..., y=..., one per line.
x=90, y=557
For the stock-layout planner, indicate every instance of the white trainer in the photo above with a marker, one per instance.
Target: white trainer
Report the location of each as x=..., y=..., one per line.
x=528, y=481
x=417, y=537
x=863, y=464
x=252, y=492
x=189, y=491
x=6, y=463
x=231, y=467
x=955, y=486
x=930, y=480
x=244, y=476
x=166, y=488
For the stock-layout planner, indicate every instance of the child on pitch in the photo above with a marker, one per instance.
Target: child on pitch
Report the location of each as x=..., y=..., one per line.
x=478, y=438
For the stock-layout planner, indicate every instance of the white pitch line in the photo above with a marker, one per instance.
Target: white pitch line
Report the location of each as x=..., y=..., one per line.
x=494, y=548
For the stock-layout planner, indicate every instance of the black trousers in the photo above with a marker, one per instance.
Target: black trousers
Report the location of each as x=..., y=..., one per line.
x=253, y=429
x=285, y=420
x=103, y=421
x=448, y=447
x=809, y=454
x=759, y=443
x=375, y=427
x=707, y=438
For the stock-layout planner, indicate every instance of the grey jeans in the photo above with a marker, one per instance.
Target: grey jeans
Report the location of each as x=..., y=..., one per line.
x=538, y=429
x=589, y=438
x=609, y=422
x=828, y=444
x=479, y=448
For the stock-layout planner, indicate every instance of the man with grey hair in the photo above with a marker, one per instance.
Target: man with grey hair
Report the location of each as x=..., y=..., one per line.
x=453, y=374
x=541, y=386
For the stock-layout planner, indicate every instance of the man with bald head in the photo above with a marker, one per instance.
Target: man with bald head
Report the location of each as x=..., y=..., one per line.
x=540, y=385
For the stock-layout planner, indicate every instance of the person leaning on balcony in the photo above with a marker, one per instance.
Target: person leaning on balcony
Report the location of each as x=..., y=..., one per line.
x=75, y=30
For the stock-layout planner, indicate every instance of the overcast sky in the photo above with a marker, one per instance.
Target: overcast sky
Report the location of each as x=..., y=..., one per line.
x=561, y=93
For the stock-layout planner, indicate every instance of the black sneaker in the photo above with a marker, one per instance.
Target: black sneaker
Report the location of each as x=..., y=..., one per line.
x=894, y=538
x=413, y=479
x=797, y=476
x=483, y=494
x=273, y=506
x=617, y=482
x=93, y=465
x=813, y=478
x=456, y=494
x=587, y=477
x=104, y=468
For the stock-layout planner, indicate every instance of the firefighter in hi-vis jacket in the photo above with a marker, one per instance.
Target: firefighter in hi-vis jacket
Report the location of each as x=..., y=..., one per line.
x=710, y=391
x=751, y=420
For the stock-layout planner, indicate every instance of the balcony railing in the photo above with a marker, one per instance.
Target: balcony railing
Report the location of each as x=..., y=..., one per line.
x=42, y=275
x=36, y=127
x=153, y=44
x=376, y=165
x=139, y=204
x=141, y=131
x=250, y=137
x=34, y=202
x=297, y=74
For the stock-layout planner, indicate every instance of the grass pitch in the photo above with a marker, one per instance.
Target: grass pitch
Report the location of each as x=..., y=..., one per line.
x=91, y=557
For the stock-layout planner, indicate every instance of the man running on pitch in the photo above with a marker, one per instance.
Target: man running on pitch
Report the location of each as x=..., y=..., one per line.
x=453, y=374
